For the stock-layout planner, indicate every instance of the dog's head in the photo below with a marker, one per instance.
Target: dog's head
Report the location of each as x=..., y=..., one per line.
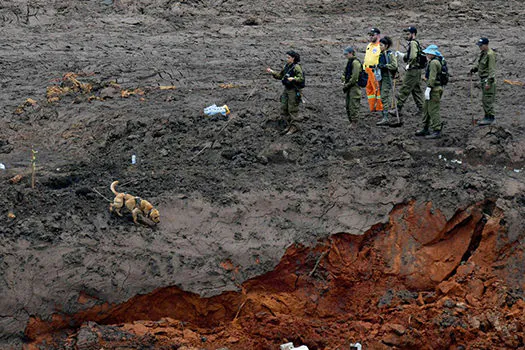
x=154, y=216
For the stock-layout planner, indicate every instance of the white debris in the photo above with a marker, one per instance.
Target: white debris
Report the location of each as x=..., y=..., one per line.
x=2, y=166
x=214, y=109
x=290, y=346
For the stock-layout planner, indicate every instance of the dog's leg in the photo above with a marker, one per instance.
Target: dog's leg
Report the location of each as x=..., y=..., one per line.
x=135, y=214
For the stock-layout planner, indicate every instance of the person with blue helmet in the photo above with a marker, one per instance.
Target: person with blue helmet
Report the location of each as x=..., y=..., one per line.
x=431, y=108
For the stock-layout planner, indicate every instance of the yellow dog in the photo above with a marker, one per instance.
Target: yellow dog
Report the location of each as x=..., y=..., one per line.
x=135, y=205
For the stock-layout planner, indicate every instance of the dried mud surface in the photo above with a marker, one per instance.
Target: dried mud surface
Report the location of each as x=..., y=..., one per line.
x=326, y=237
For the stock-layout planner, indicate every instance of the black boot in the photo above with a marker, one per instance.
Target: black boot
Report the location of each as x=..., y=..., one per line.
x=436, y=134
x=423, y=132
x=488, y=120
x=384, y=121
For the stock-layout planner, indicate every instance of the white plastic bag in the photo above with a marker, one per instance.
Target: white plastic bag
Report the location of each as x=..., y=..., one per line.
x=214, y=109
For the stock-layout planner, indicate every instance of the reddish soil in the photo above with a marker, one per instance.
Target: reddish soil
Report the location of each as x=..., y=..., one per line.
x=327, y=237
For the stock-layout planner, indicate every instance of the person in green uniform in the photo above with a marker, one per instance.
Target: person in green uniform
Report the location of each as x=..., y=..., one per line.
x=293, y=80
x=388, y=67
x=486, y=68
x=350, y=88
x=431, y=117
x=412, y=78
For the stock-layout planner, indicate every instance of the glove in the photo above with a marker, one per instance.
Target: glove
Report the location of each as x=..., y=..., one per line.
x=399, y=54
x=427, y=93
x=408, y=66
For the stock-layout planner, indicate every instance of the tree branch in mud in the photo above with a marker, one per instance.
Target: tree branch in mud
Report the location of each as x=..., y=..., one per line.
x=33, y=167
x=210, y=144
x=317, y=263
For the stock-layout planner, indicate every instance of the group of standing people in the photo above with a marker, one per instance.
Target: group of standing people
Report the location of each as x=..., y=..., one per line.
x=381, y=64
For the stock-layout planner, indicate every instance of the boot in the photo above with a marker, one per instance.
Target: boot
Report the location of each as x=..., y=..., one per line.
x=488, y=120
x=423, y=132
x=434, y=135
x=384, y=121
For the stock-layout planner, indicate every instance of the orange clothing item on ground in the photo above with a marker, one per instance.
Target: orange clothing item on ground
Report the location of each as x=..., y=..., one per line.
x=373, y=92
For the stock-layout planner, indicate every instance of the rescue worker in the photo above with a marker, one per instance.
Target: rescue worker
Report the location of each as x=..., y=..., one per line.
x=486, y=68
x=350, y=88
x=292, y=78
x=370, y=63
x=412, y=79
x=431, y=115
x=388, y=67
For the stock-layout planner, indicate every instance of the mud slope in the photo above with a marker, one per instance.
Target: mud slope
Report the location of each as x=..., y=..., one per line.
x=88, y=84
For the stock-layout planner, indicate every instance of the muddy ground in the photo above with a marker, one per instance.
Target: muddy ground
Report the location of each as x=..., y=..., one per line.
x=144, y=71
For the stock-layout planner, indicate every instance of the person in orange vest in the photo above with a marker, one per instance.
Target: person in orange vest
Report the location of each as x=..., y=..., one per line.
x=373, y=51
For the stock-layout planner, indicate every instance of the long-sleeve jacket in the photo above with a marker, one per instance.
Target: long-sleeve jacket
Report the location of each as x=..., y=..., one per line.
x=487, y=66
x=387, y=63
x=351, y=73
x=433, y=73
x=411, y=56
x=292, y=70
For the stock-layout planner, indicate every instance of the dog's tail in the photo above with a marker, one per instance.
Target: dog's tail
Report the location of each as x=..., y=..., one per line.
x=113, y=184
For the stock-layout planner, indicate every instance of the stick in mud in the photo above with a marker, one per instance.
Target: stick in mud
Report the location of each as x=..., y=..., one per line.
x=210, y=144
x=101, y=195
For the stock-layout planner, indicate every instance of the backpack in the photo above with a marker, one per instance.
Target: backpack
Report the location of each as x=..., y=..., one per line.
x=444, y=76
x=362, y=80
x=421, y=57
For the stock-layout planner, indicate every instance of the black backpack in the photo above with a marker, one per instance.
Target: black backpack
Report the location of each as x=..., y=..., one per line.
x=444, y=76
x=363, y=78
x=421, y=57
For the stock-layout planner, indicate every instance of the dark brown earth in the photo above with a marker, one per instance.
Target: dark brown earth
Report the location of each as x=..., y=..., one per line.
x=324, y=238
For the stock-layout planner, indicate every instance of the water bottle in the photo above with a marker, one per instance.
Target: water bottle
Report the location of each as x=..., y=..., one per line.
x=133, y=159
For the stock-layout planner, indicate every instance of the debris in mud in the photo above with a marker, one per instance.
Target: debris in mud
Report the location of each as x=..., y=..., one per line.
x=214, y=109
x=28, y=103
x=69, y=84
